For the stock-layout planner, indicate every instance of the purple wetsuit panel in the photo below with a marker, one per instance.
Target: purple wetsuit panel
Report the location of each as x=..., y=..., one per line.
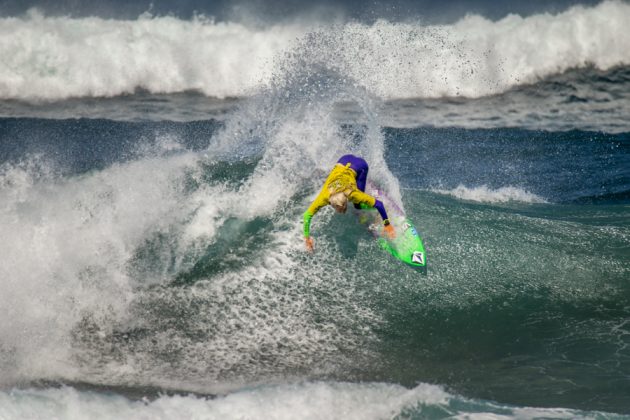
x=360, y=166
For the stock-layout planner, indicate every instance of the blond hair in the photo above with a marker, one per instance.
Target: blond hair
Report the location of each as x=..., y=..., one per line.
x=338, y=199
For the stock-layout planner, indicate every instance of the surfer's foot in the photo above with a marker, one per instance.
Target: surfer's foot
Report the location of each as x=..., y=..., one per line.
x=389, y=231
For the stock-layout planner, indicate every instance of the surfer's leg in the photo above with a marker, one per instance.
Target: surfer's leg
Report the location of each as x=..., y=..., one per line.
x=345, y=159
x=359, y=166
x=362, y=178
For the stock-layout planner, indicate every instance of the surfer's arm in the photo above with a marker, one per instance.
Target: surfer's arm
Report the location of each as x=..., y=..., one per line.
x=316, y=205
x=378, y=205
x=367, y=201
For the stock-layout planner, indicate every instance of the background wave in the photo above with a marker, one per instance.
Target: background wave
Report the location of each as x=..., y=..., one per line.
x=484, y=194
x=326, y=400
x=54, y=58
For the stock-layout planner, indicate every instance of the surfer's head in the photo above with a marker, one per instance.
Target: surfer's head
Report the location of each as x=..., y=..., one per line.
x=339, y=201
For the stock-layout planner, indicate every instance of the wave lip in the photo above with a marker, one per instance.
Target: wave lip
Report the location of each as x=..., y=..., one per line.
x=484, y=194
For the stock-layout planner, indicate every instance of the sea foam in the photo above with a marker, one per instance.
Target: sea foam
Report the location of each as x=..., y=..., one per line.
x=319, y=400
x=484, y=194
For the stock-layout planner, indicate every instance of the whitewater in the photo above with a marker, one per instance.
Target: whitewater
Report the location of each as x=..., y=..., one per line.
x=54, y=58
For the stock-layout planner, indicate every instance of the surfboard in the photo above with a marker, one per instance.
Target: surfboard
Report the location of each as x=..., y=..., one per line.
x=407, y=246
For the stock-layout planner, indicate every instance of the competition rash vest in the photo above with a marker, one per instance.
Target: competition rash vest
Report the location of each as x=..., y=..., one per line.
x=341, y=179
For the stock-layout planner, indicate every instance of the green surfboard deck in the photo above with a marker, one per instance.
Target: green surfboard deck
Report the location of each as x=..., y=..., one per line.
x=407, y=246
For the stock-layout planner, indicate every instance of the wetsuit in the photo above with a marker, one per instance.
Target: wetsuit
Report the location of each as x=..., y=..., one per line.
x=348, y=176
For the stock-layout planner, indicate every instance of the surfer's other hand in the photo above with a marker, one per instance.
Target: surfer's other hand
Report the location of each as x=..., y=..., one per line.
x=389, y=231
x=309, y=244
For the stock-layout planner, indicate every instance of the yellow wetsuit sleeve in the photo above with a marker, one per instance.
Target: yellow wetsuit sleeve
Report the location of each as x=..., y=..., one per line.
x=320, y=201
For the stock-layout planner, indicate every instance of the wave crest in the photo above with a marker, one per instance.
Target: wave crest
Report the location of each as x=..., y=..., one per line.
x=484, y=194
x=55, y=58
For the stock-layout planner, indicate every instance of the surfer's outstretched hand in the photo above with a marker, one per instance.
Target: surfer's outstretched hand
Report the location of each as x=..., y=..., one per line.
x=309, y=244
x=389, y=231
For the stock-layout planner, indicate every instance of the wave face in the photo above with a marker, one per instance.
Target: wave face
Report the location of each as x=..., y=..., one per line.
x=53, y=58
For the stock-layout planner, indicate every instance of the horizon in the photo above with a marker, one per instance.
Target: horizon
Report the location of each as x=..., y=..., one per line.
x=276, y=11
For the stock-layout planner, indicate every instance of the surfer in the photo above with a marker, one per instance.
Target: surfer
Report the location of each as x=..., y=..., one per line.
x=346, y=182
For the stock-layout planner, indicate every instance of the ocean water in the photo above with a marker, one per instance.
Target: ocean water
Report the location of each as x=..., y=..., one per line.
x=153, y=175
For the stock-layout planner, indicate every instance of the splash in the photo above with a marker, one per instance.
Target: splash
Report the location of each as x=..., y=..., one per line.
x=186, y=270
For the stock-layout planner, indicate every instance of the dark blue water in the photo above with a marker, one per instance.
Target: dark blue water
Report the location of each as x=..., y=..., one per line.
x=562, y=167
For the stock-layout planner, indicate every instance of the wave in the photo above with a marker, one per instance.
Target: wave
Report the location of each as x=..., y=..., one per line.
x=484, y=194
x=121, y=252
x=318, y=400
x=53, y=58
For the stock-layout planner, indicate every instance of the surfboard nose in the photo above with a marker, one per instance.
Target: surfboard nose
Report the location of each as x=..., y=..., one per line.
x=418, y=258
